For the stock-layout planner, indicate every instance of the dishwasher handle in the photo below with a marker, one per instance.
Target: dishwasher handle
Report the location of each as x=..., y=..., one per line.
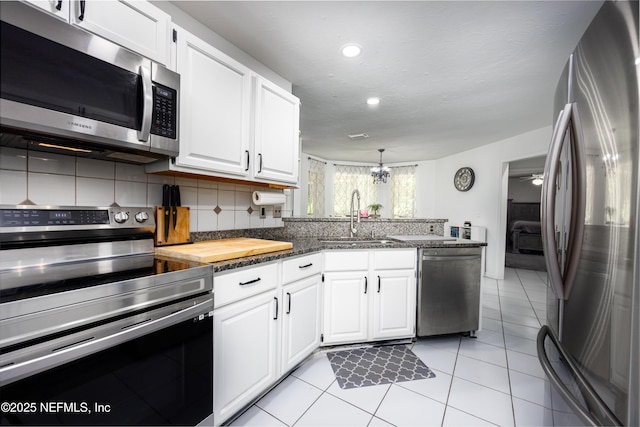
x=449, y=257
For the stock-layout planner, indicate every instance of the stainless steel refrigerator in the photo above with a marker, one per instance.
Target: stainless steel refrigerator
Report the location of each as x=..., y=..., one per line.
x=590, y=347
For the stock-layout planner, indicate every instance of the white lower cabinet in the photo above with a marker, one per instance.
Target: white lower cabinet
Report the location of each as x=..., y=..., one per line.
x=262, y=328
x=244, y=352
x=374, y=301
x=394, y=304
x=300, y=321
x=345, y=307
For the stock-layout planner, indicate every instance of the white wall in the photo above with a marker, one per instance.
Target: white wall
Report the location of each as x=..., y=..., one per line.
x=486, y=203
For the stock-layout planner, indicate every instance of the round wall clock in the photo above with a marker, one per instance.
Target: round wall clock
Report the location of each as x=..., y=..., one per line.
x=464, y=179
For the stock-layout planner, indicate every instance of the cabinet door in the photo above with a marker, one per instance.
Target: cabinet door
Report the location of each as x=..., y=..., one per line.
x=215, y=101
x=394, y=304
x=345, y=307
x=59, y=9
x=245, y=344
x=276, y=143
x=300, y=321
x=136, y=25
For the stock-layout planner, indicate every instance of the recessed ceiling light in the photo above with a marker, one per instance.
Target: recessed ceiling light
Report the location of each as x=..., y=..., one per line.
x=373, y=101
x=351, y=50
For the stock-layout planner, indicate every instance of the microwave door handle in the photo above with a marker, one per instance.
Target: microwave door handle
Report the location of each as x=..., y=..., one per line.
x=548, y=205
x=578, y=200
x=147, y=104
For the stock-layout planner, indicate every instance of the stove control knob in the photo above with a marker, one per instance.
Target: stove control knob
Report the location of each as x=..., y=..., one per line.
x=121, y=217
x=142, y=216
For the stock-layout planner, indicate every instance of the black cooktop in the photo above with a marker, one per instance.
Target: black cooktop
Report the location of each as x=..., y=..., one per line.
x=147, y=265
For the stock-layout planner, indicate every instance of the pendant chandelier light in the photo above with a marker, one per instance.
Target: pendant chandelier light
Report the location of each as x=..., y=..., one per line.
x=380, y=173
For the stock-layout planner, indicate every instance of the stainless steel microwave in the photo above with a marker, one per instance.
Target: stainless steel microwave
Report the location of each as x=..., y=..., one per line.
x=66, y=89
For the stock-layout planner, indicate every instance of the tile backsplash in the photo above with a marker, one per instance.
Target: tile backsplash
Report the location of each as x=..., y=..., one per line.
x=53, y=179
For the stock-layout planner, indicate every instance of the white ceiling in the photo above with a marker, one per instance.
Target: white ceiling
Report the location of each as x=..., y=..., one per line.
x=452, y=75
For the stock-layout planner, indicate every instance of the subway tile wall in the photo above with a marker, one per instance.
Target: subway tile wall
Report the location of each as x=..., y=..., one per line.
x=53, y=179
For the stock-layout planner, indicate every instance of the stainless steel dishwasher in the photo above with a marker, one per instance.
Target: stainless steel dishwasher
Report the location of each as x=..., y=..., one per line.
x=449, y=291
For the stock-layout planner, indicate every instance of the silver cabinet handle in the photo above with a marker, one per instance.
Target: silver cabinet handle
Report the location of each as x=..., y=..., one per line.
x=147, y=104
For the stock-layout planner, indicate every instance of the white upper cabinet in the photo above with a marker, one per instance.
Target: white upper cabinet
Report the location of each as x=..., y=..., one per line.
x=134, y=24
x=276, y=144
x=57, y=8
x=233, y=123
x=215, y=108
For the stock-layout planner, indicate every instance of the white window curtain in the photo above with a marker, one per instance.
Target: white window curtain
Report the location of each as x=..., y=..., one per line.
x=348, y=178
x=403, y=191
x=315, y=188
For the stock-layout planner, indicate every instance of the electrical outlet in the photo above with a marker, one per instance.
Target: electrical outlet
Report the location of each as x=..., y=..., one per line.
x=277, y=212
x=431, y=228
x=263, y=212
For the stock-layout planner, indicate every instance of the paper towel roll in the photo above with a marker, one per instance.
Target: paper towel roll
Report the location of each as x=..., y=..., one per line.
x=264, y=198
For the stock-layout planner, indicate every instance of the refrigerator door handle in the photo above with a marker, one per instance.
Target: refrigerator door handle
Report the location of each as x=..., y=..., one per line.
x=587, y=391
x=548, y=205
x=578, y=200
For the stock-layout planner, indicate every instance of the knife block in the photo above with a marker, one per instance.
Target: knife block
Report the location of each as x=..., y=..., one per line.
x=179, y=234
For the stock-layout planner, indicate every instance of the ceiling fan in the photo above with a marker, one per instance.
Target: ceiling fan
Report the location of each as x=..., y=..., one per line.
x=535, y=178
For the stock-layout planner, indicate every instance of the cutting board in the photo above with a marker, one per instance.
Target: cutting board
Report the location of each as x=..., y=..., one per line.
x=181, y=233
x=224, y=249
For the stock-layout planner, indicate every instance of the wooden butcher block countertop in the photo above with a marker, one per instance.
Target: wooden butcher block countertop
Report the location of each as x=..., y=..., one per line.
x=224, y=249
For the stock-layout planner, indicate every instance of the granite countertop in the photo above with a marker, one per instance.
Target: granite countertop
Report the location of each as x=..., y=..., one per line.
x=306, y=245
x=365, y=219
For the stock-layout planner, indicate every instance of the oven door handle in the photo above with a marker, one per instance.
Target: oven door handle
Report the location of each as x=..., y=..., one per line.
x=93, y=343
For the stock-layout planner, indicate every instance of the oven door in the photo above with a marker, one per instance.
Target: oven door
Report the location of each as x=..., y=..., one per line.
x=153, y=368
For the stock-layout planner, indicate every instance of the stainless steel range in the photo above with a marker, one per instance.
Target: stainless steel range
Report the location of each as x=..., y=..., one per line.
x=94, y=328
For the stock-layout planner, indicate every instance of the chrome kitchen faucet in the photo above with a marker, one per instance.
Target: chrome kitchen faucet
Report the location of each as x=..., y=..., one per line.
x=353, y=229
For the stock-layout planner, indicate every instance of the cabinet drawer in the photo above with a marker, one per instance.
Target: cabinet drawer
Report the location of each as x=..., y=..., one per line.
x=298, y=268
x=240, y=284
x=346, y=260
x=394, y=259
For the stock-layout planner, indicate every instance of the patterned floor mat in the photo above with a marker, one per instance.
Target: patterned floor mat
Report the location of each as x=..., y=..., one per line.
x=361, y=367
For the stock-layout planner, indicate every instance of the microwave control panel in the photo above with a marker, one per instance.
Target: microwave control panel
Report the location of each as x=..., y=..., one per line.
x=165, y=107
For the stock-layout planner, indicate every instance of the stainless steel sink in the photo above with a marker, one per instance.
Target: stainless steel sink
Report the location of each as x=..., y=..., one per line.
x=355, y=241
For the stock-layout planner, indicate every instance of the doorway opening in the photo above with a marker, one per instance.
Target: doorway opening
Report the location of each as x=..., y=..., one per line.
x=524, y=239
